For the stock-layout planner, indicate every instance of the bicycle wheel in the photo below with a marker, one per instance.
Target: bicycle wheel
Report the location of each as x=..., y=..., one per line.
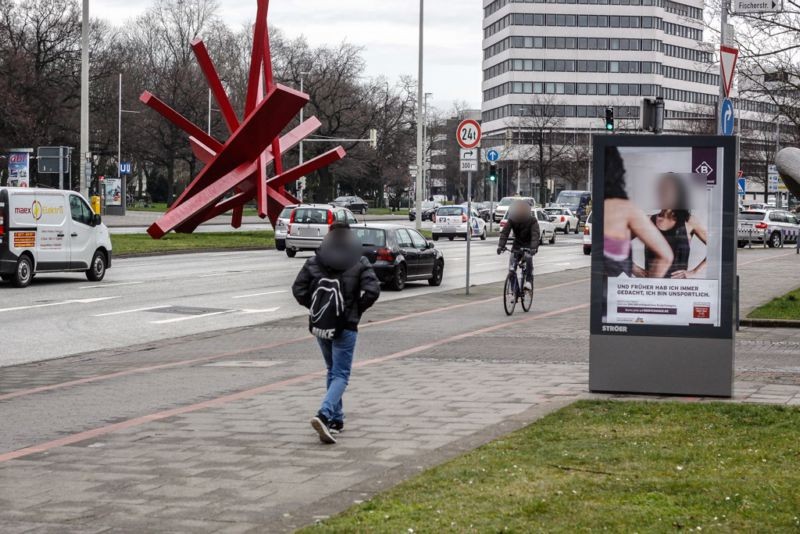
x=527, y=298
x=510, y=294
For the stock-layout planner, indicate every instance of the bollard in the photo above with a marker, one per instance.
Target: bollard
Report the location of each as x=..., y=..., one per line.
x=96, y=204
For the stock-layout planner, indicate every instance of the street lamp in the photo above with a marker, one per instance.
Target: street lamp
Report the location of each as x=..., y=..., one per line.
x=420, y=112
x=85, y=163
x=301, y=184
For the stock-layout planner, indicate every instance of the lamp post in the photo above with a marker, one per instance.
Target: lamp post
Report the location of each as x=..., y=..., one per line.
x=301, y=184
x=420, y=117
x=85, y=163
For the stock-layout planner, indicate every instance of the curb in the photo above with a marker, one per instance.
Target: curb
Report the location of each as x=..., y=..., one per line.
x=189, y=251
x=770, y=323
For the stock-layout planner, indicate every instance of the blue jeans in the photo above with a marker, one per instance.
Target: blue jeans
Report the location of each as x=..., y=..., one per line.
x=338, y=354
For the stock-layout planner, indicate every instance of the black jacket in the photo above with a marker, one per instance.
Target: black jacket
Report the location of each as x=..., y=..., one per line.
x=526, y=234
x=360, y=286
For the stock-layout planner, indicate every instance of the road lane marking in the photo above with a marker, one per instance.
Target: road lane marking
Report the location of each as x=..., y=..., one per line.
x=261, y=348
x=267, y=310
x=62, y=303
x=260, y=294
x=267, y=388
x=213, y=275
x=137, y=310
x=113, y=284
x=191, y=317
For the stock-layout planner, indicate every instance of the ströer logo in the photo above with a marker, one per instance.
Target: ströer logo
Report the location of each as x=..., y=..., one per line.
x=615, y=329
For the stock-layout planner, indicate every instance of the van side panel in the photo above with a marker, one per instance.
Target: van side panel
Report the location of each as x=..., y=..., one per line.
x=51, y=214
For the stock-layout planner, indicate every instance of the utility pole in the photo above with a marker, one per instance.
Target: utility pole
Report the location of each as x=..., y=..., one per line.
x=86, y=165
x=420, y=117
x=119, y=131
x=301, y=184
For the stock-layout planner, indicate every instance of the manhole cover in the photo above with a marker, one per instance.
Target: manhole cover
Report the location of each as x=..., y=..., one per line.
x=243, y=363
x=186, y=310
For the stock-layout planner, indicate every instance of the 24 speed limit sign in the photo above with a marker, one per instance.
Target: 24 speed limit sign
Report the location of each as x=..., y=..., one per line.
x=469, y=134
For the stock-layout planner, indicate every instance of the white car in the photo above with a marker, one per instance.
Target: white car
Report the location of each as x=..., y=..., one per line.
x=501, y=208
x=546, y=228
x=587, y=235
x=452, y=222
x=50, y=231
x=564, y=219
x=773, y=227
x=282, y=227
x=310, y=223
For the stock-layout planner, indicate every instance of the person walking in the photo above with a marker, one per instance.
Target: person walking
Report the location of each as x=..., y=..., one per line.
x=337, y=285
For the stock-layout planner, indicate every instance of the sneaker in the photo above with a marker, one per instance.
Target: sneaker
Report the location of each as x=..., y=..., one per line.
x=336, y=427
x=321, y=424
x=528, y=286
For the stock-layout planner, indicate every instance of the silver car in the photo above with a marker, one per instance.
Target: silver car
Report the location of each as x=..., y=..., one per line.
x=310, y=223
x=282, y=227
x=773, y=227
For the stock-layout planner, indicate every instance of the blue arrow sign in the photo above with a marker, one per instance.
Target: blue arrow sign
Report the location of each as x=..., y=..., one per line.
x=493, y=155
x=726, y=116
x=742, y=186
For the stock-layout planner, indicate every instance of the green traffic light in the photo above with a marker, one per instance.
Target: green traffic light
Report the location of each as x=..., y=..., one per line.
x=609, y=126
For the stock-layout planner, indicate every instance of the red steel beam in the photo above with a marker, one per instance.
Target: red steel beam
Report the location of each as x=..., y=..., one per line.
x=214, y=83
x=179, y=120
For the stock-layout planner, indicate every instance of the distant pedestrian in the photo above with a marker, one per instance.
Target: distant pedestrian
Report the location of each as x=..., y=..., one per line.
x=337, y=285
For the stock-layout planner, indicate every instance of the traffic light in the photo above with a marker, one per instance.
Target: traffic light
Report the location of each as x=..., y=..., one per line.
x=492, y=172
x=610, y=119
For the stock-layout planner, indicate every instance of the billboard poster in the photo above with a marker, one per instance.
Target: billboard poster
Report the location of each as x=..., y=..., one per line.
x=113, y=192
x=663, y=263
x=19, y=171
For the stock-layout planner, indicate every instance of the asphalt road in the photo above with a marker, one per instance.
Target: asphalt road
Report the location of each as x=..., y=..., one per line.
x=155, y=298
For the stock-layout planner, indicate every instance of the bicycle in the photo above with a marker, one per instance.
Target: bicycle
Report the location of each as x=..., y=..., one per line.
x=514, y=288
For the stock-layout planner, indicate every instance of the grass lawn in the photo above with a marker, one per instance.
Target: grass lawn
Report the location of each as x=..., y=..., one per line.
x=613, y=466
x=144, y=244
x=161, y=207
x=387, y=211
x=785, y=307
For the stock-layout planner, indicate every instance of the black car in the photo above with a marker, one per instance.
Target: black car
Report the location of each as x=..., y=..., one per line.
x=354, y=204
x=428, y=209
x=400, y=254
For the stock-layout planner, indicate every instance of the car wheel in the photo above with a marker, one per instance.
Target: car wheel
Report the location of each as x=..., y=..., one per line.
x=775, y=240
x=291, y=252
x=742, y=244
x=97, y=269
x=280, y=245
x=435, y=237
x=483, y=235
x=553, y=239
x=587, y=250
x=399, y=280
x=451, y=238
x=438, y=273
x=24, y=274
x=566, y=229
x=577, y=228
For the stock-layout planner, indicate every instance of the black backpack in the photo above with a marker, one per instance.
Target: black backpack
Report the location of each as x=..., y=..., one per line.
x=326, y=315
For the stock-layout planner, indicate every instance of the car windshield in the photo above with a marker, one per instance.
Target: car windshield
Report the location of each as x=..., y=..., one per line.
x=450, y=211
x=371, y=237
x=311, y=216
x=286, y=213
x=751, y=216
x=570, y=199
x=506, y=201
x=554, y=211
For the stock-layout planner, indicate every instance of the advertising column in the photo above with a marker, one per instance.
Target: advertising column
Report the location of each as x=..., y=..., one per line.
x=663, y=265
x=19, y=168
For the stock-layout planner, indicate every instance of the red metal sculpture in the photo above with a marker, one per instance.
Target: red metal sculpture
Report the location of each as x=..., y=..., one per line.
x=235, y=172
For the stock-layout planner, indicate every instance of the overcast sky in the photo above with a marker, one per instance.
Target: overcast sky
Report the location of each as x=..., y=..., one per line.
x=387, y=29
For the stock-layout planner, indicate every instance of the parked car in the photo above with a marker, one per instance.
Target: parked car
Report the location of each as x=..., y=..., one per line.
x=309, y=224
x=354, y=204
x=587, y=235
x=282, y=227
x=428, y=209
x=564, y=219
x=452, y=222
x=502, y=207
x=771, y=226
x=400, y=255
x=546, y=227
x=50, y=231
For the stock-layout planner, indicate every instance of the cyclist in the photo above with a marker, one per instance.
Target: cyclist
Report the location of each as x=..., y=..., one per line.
x=526, y=237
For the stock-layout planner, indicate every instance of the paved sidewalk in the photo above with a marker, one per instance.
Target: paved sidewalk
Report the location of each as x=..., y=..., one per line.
x=242, y=458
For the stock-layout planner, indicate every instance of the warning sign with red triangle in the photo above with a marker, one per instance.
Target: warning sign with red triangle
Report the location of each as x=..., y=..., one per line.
x=727, y=64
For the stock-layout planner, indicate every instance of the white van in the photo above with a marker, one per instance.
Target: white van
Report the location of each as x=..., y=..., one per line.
x=46, y=231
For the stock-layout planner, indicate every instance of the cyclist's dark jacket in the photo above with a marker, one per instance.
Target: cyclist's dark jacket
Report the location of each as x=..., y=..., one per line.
x=526, y=234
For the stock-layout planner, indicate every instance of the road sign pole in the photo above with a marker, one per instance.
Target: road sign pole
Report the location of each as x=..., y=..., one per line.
x=469, y=223
x=722, y=93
